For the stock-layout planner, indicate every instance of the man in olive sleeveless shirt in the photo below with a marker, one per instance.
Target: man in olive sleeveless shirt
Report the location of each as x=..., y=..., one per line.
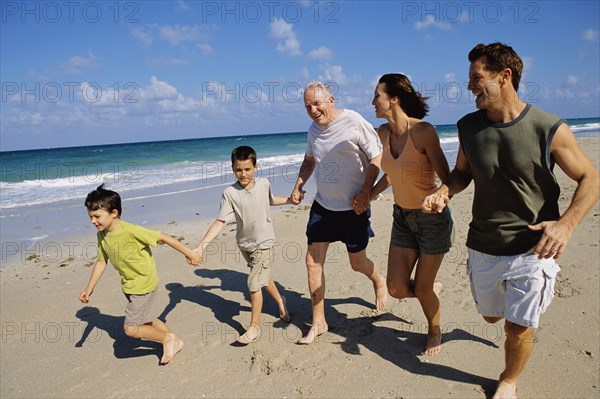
x=509, y=148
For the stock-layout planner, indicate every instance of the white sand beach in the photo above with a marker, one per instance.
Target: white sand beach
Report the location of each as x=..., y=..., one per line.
x=53, y=346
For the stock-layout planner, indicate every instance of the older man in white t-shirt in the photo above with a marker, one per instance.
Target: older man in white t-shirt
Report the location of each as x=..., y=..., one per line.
x=346, y=153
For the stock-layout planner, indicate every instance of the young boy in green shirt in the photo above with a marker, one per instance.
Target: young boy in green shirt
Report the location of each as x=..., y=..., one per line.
x=249, y=200
x=127, y=246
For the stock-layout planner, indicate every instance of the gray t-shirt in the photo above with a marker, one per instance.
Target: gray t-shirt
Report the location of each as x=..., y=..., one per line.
x=342, y=150
x=251, y=208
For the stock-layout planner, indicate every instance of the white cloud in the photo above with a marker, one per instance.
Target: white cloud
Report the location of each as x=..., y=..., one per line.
x=450, y=77
x=167, y=62
x=177, y=34
x=283, y=33
x=572, y=80
x=182, y=5
x=145, y=39
x=333, y=73
x=591, y=35
x=77, y=62
x=430, y=21
x=322, y=53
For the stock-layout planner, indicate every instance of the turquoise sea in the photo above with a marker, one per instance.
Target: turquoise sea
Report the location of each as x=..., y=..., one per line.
x=42, y=191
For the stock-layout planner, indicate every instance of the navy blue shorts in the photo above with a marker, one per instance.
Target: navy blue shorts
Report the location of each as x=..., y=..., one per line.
x=345, y=226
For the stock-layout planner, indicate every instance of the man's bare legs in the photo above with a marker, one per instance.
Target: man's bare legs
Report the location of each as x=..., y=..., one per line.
x=315, y=260
x=401, y=262
x=159, y=332
x=517, y=350
x=360, y=263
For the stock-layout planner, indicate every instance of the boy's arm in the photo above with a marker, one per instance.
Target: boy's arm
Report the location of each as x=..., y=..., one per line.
x=193, y=257
x=212, y=232
x=279, y=200
x=97, y=272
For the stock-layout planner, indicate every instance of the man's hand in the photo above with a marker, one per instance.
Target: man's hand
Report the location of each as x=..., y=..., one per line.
x=554, y=240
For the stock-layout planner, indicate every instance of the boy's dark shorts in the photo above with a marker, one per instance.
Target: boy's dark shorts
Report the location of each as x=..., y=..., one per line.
x=345, y=226
x=430, y=233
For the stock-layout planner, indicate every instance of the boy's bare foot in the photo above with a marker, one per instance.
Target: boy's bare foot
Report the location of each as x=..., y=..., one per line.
x=316, y=330
x=434, y=341
x=505, y=390
x=381, y=293
x=171, y=347
x=283, y=312
x=251, y=335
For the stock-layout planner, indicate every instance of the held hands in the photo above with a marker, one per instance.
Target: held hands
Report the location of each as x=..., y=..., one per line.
x=434, y=203
x=554, y=240
x=196, y=260
x=361, y=202
x=297, y=196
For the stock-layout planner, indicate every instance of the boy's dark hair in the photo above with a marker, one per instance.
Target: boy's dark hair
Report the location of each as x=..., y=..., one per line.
x=497, y=57
x=101, y=198
x=411, y=101
x=243, y=153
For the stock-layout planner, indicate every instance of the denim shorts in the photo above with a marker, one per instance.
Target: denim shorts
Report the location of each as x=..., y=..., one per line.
x=345, y=226
x=517, y=287
x=430, y=233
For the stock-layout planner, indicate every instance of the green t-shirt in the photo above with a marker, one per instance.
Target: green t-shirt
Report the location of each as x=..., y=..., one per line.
x=514, y=183
x=128, y=249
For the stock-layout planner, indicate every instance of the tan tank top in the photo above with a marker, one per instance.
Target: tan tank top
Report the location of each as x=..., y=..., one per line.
x=411, y=174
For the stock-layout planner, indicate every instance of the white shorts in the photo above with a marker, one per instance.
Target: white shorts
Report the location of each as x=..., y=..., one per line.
x=518, y=288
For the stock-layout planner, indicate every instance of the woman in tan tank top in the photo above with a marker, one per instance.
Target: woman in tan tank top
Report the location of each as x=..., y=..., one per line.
x=412, y=156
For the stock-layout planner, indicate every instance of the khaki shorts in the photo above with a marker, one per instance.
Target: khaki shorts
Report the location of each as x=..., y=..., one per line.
x=141, y=309
x=259, y=262
x=518, y=288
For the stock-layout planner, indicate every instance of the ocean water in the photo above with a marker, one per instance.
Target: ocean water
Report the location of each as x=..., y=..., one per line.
x=42, y=191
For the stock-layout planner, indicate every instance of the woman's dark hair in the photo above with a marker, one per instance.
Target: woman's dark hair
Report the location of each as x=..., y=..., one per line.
x=411, y=101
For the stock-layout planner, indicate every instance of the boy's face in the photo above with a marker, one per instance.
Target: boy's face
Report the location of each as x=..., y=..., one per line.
x=244, y=172
x=104, y=220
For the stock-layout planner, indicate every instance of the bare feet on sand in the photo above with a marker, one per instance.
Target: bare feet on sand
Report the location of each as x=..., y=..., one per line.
x=381, y=293
x=505, y=390
x=434, y=341
x=434, y=335
x=316, y=330
x=251, y=335
x=283, y=312
x=171, y=346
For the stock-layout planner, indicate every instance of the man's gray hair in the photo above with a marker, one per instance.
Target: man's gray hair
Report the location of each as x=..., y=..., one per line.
x=320, y=85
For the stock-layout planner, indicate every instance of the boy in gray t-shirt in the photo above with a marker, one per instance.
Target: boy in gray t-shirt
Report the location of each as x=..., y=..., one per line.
x=249, y=200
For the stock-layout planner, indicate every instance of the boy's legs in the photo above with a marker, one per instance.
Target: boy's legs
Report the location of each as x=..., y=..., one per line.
x=159, y=332
x=139, y=310
x=279, y=299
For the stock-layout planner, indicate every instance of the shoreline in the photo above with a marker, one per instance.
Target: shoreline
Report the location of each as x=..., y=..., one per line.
x=78, y=348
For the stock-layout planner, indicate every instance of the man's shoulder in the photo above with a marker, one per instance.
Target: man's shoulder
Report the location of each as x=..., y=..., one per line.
x=473, y=116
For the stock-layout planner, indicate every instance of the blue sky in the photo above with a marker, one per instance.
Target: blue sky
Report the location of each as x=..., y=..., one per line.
x=82, y=73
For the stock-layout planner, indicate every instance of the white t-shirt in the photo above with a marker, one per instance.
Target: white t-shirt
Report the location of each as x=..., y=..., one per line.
x=342, y=150
x=252, y=214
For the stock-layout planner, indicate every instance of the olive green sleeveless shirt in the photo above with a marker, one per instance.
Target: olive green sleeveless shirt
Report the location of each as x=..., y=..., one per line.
x=514, y=182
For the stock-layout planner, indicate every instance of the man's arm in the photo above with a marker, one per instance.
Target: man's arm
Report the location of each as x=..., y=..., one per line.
x=459, y=179
x=362, y=200
x=306, y=170
x=572, y=160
